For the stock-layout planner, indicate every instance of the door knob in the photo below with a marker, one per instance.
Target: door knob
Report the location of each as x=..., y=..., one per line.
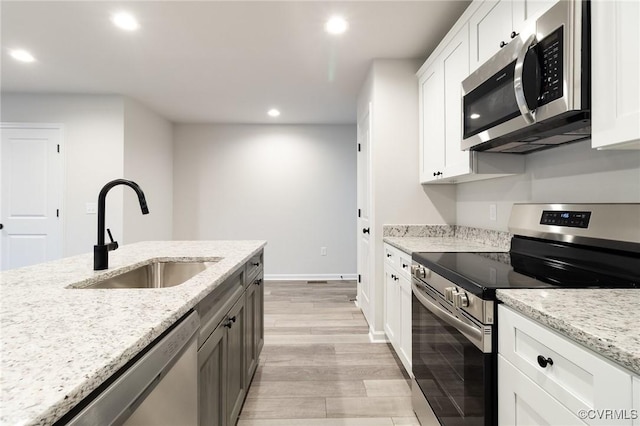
x=365, y=230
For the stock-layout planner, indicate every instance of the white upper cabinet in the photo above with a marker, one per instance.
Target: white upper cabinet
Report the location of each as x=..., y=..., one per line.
x=491, y=25
x=615, y=68
x=431, y=102
x=455, y=63
x=440, y=98
x=494, y=23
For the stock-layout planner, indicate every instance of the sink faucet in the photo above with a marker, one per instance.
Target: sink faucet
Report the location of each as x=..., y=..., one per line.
x=101, y=250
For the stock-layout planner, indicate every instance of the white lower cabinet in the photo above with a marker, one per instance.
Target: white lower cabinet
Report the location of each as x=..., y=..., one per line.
x=546, y=378
x=636, y=401
x=397, y=303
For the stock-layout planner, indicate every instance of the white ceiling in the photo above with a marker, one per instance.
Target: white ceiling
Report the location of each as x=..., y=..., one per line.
x=218, y=61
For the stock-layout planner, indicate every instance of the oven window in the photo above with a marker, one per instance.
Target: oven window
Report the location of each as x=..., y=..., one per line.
x=491, y=103
x=454, y=375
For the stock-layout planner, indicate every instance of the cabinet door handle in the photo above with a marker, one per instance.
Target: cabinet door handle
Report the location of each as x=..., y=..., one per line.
x=258, y=281
x=543, y=362
x=256, y=264
x=437, y=173
x=404, y=265
x=514, y=34
x=365, y=230
x=502, y=44
x=1, y=226
x=388, y=254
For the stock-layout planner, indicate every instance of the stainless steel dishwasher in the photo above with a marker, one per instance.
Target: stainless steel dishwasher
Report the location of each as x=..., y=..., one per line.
x=160, y=388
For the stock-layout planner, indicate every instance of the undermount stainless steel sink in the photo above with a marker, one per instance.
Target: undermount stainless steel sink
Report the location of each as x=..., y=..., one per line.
x=154, y=275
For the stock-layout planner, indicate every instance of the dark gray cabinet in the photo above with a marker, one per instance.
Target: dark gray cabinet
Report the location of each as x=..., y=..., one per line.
x=212, y=380
x=228, y=355
x=254, y=306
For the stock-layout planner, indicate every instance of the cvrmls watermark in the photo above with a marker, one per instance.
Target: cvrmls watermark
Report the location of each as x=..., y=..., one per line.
x=606, y=414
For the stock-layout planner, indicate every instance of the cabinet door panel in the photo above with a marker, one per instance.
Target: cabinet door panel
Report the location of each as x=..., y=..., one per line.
x=491, y=24
x=251, y=352
x=212, y=379
x=432, y=128
x=259, y=308
x=520, y=401
x=615, y=38
x=390, y=305
x=235, y=362
x=456, y=69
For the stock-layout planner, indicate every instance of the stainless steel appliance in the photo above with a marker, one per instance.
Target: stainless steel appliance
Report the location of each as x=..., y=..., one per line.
x=535, y=92
x=454, y=298
x=158, y=387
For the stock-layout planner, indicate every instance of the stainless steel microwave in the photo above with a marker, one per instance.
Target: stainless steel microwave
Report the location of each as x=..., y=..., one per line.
x=535, y=92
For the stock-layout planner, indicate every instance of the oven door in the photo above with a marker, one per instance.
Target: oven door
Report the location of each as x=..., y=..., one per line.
x=455, y=376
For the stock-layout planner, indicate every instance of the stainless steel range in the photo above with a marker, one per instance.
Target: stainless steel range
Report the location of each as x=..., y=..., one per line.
x=454, y=324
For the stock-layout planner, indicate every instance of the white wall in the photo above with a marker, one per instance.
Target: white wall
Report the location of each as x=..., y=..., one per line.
x=148, y=161
x=292, y=185
x=93, y=154
x=573, y=173
x=397, y=196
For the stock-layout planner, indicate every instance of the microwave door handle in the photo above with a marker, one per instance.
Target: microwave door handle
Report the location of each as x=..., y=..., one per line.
x=518, y=84
x=472, y=333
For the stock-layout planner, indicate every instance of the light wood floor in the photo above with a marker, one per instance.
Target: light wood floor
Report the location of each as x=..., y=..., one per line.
x=318, y=368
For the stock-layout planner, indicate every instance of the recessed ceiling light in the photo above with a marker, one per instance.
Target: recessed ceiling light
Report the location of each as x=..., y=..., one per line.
x=125, y=21
x=22, y=55
x=273, y=112
x=336, y=25
x=474, y=116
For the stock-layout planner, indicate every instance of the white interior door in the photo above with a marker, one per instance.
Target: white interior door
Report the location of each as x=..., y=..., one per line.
x=364, y=208
x=31, y=184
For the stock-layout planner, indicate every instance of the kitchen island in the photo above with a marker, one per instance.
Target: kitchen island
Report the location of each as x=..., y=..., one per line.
x=61, y=343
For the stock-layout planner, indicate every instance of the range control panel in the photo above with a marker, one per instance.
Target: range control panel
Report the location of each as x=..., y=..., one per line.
x=565, y=218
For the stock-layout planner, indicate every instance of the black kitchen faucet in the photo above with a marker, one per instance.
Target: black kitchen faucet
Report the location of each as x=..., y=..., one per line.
x=101, y=250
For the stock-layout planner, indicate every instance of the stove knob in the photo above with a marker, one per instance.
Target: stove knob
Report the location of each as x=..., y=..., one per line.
x=421, y=272
x=450, y=293
x=461, y=300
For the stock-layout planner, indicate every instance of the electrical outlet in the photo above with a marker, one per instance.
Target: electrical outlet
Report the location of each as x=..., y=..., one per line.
x=91, y=208
x=323, y=251
x=493, y=212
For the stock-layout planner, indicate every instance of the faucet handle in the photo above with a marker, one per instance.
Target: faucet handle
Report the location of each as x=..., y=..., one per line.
x=113, y=244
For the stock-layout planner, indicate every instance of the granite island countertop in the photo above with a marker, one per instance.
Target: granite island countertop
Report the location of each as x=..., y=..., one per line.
x=600, y=319
x=59, y=343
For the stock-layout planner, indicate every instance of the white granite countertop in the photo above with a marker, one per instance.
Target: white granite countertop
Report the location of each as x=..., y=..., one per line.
x=59, y=344
x=603, y=320
x=439, y=244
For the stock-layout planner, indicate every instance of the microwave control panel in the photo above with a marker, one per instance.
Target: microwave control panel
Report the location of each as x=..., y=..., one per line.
x=550, y=51
x=565, y=218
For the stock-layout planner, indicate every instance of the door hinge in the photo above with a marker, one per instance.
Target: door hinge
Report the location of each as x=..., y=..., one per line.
x=58, y=147
x=359, y=278
x=359, y=148
x=359, y=213
x=57, y=212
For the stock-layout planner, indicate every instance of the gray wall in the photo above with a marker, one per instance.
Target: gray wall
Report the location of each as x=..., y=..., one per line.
x=148, y=160
x=292, y=185
x=573, y=173
x=105, y=137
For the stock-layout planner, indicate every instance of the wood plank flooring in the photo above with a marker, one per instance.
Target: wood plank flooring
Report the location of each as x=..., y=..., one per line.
x=318, y=367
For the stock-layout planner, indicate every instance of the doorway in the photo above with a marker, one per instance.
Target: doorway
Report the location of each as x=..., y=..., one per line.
x=31, y=184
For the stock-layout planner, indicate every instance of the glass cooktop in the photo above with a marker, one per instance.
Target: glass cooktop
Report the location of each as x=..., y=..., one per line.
x=483, y=273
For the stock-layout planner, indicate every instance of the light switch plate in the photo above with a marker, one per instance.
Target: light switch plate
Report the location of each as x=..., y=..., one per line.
x=91, y=208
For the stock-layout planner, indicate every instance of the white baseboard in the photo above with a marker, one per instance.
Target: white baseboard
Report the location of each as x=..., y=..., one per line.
x=309, y=277
x=377, y=336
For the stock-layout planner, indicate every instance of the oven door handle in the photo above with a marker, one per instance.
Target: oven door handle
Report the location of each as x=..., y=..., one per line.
x=473, y=334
